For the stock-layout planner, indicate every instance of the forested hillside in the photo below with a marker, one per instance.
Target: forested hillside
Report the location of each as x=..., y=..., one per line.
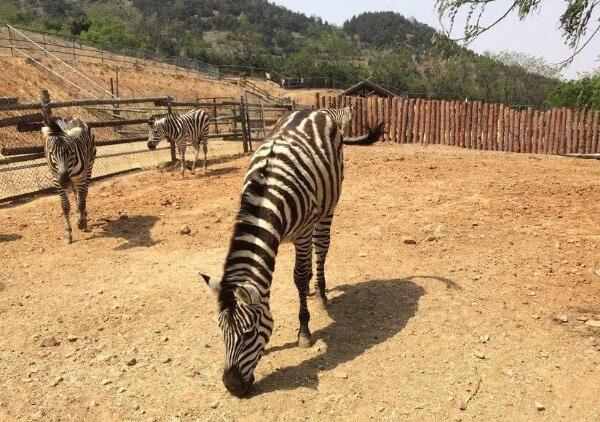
x=403, y=54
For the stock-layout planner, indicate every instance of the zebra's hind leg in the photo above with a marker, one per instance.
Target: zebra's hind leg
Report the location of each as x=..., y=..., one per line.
x=197, y=149
x=205, y=150
x=302, y=276
x=321, y=239
x=66, y=209
x=81, y=197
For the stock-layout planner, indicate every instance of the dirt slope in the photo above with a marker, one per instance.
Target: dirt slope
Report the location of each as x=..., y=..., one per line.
x=504, y=243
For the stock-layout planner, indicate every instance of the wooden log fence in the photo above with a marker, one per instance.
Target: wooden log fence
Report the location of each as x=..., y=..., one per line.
x=475, y=124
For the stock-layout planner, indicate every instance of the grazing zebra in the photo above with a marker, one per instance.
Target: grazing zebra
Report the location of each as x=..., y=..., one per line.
x=70, y=152
x=180, y=129
x=289, y=194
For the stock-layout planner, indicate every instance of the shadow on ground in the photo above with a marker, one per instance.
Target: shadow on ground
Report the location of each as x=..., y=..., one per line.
x=364, y=315
x=9, y=237
x=135, y=230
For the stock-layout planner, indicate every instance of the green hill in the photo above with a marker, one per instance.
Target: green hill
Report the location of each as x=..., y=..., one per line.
x=405, y=55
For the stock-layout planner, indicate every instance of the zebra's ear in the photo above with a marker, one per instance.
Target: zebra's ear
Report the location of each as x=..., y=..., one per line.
x=46, y=131
x=248, y=294
x=213, y=283
x=74, y=133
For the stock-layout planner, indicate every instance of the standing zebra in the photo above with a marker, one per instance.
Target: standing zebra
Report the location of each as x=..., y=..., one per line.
x=289, y=194
x=70, y=152
x=180, y=129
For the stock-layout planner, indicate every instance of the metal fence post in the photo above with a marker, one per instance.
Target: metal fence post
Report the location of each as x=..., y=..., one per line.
x=169, y=110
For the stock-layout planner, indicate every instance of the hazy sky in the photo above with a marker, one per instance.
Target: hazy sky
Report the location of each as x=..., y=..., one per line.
x=538, y=35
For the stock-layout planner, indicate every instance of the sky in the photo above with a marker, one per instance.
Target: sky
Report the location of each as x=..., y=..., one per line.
x=538, y=35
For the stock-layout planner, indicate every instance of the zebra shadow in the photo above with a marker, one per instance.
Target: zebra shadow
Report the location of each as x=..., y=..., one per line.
x=364, y=315
x=135, y=230
x=9, y=237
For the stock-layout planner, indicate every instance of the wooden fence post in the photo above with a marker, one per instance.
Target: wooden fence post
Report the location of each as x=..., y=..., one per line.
x=243, y=122
x=216, y=115
x=10, y=41
x=46, y=108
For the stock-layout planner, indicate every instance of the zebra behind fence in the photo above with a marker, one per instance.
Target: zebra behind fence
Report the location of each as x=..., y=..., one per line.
x=289, y=194
x=181, y=128
x=70, y=152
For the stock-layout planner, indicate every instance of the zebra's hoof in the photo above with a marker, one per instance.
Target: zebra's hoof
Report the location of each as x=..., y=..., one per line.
x=304, y=342
x=82, y=225
x=68, y=239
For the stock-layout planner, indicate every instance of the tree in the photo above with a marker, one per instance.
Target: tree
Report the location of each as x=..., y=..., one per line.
x=584, y=92
x=574, y=21
x=527, y=62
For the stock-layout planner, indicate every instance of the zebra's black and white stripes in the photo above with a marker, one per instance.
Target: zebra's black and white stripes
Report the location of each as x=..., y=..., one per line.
x=70, y=153
x=290, y=192
x=182, y=128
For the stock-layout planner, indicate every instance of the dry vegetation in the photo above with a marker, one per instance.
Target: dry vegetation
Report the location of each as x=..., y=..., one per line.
x=497, y=302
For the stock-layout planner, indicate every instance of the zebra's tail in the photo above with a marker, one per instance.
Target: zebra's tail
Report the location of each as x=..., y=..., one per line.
x=367, y=139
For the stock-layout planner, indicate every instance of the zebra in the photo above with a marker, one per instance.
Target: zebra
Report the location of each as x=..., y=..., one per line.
x=289, y=194
x=181, y=128
x=70, y=152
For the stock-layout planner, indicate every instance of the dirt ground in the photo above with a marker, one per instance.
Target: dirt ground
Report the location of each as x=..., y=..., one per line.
x=465, y=318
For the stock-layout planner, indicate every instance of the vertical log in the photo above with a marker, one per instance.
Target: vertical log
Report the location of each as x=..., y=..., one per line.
x=468, y=123
x=409, y=121
x=569, y=131
x=423, y=120
x=489, y=125
x=392, y=127
x=406, y=128
x=588, y=131
x=575, y=131
x=595, y=133
x=521, y=115
x=416, y=121
x=560, y=143
x=427, y=127
x=500, y=130
x=457, y=123
x=317, y=100
x=400, y=122
x=508, y=135
x=534, y=131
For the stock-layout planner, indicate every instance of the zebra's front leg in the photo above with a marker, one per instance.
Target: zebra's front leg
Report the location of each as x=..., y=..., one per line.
x=302, y=276
x=66, y=209
x=81, y=197
x=182, y=157
x=321, y=239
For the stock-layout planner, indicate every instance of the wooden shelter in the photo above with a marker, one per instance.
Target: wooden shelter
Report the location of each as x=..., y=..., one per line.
x=367, y=88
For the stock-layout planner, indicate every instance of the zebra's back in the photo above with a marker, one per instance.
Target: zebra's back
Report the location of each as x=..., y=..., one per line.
x=298, y=171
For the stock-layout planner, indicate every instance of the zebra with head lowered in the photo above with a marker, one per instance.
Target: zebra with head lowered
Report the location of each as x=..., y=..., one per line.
x=180, y=129
x=289, y=194
x=70, y=153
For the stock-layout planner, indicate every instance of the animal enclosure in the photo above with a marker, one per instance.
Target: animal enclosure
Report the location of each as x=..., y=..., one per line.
x=474, y=124
x=412, y=332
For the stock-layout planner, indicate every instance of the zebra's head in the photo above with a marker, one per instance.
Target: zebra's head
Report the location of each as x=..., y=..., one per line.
x=60, y=151
x=346, y=117
x=247, y=325
x=156, y=126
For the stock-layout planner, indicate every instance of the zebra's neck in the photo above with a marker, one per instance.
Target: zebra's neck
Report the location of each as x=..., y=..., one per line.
x=255, y=241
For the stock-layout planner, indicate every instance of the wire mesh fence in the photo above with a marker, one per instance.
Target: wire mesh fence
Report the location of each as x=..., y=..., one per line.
x=121, y=130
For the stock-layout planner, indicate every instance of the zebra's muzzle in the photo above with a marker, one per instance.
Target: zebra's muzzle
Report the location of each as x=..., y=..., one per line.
x=235, y=383
x=151, y=145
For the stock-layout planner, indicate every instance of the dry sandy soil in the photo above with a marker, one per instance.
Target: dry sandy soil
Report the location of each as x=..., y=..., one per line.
x=504, y=244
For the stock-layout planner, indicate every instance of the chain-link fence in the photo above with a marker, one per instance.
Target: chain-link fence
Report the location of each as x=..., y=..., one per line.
x=120, y=129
